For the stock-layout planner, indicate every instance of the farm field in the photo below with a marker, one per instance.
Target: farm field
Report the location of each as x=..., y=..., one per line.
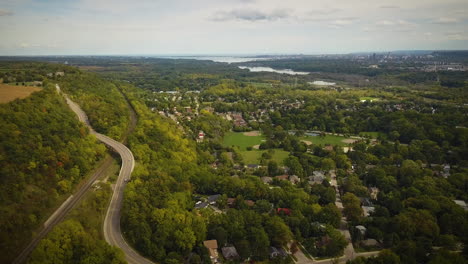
x=242, y=140
x=11, y=92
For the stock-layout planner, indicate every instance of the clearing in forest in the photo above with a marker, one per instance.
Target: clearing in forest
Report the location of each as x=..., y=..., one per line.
x=11, y=92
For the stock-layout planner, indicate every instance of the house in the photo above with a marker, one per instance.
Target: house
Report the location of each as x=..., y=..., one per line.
x=277, y=253
x=365, y=201
x=201, y=205
x=59, y=74
x=230, y=252
x=213, y=198
x=282, y=177
x=368, y=210
x=201, y=136
x=212, y=246
x=462, y=204
x=374, y=191
x=253, y=166
x=328, y=148
x=231, y=202
x=294, y=179
x=317, y=177
x=266, y=180
x=286, y=211
x=362, y=229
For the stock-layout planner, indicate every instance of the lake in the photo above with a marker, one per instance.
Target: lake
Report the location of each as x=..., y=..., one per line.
x=268, y=69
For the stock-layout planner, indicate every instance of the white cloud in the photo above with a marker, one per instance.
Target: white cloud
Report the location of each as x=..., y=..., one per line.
x=445, y=20
x=250, y=15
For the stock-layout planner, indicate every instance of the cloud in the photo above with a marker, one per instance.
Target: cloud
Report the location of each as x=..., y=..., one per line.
x=399, y=22
x=445, y=20
x=4, y=12
x=456, y=35
x=389, y=7
x=250, y=15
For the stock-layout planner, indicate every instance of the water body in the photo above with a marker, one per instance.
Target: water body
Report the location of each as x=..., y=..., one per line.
x=268, y=69
x=322, y=83
x=225, y=59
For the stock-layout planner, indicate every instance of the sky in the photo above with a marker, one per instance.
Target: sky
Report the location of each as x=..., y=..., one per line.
x=181, y=27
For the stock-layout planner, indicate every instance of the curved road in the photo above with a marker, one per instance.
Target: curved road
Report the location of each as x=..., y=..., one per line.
x=112, y=231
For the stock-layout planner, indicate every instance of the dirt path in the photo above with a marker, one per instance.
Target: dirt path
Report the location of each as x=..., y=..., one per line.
x=252, y=133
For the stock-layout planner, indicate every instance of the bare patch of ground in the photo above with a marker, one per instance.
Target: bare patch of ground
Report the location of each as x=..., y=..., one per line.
x=11, y=92
x=252, y=133
x=349, y=140
x=256, y=146
x=307, y=142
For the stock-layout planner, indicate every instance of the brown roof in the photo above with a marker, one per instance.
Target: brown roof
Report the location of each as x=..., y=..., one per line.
x=282, y=177
x=211, y=244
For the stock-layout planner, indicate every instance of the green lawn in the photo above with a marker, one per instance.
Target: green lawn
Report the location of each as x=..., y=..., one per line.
x=253, y=156
x=326, y=140
x=240, y=140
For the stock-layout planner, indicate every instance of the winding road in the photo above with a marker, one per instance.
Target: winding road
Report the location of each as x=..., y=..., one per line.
x=112, y=231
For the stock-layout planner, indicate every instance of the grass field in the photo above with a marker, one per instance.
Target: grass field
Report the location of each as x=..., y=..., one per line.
x=240, y=140
x=11, y=92
x=327, y=140
x=253, y=157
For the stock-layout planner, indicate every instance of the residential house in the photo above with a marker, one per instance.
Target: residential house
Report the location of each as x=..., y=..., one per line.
x=282, y=177
x=212, y=246
x=368, y=210
x=201, y=136
x=294, y=179
x=362, y=229
x=374, y=191
x=462, y=204
x=266, y=180
x=213, y=198
x=201, y=205
x=286, y=211
x=230, y=253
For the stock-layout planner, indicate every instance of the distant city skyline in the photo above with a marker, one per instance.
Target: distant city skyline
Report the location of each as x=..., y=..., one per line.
x=229, y=27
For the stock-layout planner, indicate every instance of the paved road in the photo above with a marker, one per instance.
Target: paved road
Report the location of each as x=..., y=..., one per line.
x=112, y=231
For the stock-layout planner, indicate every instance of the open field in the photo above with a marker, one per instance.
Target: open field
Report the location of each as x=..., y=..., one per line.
x=326, y=140
x=11, y=92
x=253, y=157
x=241, y=140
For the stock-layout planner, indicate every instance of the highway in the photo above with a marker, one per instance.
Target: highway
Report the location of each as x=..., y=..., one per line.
x=112, y=231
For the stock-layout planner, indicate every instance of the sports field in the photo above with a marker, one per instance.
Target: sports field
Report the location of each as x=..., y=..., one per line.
x=242, y=139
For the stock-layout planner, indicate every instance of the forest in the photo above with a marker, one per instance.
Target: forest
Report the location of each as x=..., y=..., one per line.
x=397, y=182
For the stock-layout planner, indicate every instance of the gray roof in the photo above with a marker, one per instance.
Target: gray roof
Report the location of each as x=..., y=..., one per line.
x=230, y=252
x=213, y=198
x=201, y=205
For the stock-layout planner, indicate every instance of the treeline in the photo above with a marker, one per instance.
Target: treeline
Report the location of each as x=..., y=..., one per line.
x=101, y=100
x=44, y=153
